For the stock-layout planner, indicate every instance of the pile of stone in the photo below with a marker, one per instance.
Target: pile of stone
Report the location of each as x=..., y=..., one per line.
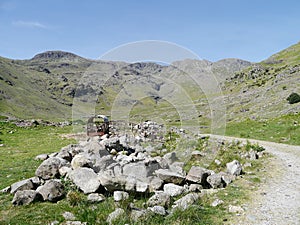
x=110, y=165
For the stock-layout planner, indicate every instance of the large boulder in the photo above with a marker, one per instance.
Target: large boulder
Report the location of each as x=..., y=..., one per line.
x=141, y=170
x=186, y=201
x=52, y=190
x=155, y=183
x=50, y=168
x=120, y=196
x=102, y=163
x=198, y=175
x=65, y=154
x=95, y=198
x=112, y=182
x=234, y=168
x=169, y=176
x=21, y=186
x=26, y=197
x=173, y=189
x=215, y=181
x=81, y=160
x=85, y=179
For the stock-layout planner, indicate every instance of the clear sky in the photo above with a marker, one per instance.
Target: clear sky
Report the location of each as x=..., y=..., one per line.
x=246, y=29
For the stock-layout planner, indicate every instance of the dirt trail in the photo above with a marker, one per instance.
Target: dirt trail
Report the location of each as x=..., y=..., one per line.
x=277, y=201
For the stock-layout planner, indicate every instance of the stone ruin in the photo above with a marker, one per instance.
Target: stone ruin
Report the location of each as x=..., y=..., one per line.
x=119, y=165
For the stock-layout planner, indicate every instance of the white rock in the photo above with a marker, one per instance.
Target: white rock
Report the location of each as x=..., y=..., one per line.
x=216, y=202
x=173, y=189
x=120, y=196
x=68, y=216
x=157, y=209
x=115, y=215
x=95, y=197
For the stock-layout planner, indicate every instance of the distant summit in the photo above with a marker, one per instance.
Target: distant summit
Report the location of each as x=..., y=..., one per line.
x=56, y=55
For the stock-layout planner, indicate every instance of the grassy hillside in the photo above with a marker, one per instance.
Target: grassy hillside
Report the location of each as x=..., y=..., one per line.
x=261, y=90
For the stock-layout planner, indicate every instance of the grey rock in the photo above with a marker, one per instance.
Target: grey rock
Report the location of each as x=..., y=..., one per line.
x=186, y=201
x=247, y=164
x=227, y=178
x=81, y=160
x=95, y=198
x=234, y=168
x=26, y=197
x=218, y=162
x=198, y=175
x=140, y=171
x=155, y=183
x=68, y=216
x=111, y=181
x=162, y=162
x=216, y=202
x=141, y=186
x=215, y=181
x=115, y=215
x=113, y=152
x=195, y=187
x=102, y=163
x=173, y=189
x=260, y=154
x=138, y=214
x=177, y=168
x=130, y=184
x=63, y=171
x=235, y=209
x=120, y=196
x=169, y=176
x=74, y=223
x=157, y=209
x=52, y=190
x=95, y=146
x=36, y=181
x=196, y=155
x=159, y=198
x=85, y=179
x=5, y=190
x=170, y=157
x=21, y=185
x=42, y=157
x=50, y=168
x=253, y=155
x=64, y=154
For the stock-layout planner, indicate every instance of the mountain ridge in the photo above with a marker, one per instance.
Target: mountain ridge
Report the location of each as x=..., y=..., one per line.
x=47, y=83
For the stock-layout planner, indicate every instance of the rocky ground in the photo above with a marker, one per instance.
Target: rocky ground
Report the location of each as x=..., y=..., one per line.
x=277, y=199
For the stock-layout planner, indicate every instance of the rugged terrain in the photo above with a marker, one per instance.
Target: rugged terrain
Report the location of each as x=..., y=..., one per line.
x=53, y=84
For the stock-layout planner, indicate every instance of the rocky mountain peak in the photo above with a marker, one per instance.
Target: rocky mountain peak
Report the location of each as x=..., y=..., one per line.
x=54, y=55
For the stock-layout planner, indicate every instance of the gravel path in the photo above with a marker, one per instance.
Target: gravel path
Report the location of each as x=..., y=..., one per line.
x=277, y=202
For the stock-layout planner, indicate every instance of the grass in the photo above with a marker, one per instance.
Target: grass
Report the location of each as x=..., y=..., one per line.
x=284, y=129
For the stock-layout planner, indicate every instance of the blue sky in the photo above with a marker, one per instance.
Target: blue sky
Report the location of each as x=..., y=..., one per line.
x=250, y=30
